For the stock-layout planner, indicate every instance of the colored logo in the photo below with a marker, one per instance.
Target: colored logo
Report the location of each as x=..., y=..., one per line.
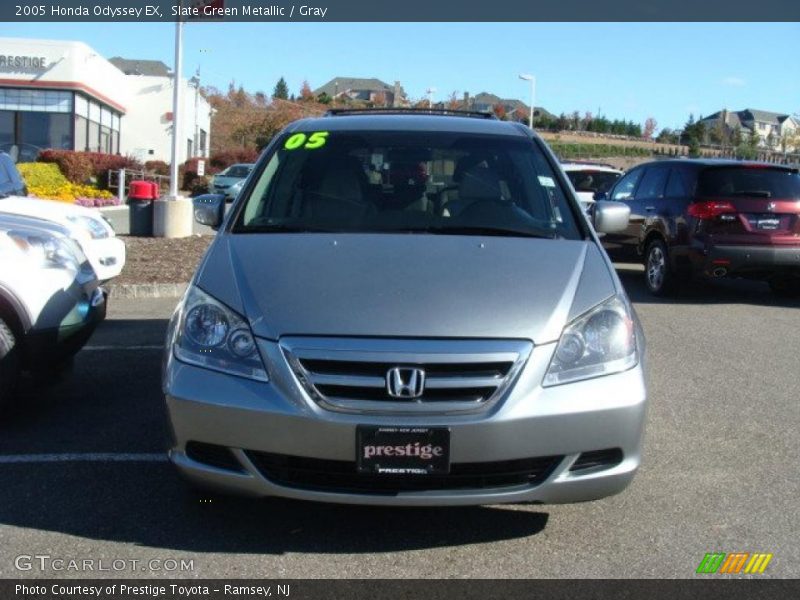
x=734, y=563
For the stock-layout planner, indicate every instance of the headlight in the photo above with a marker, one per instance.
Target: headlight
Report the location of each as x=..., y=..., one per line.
x=47, y=250
x=599, y=342
x=93, y=226
x=211, y=335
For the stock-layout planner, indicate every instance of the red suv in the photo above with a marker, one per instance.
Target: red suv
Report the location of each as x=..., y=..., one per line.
x=713, y=218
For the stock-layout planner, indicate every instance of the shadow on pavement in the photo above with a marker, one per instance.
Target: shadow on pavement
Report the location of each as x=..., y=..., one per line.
x=720, y=291
x=148, y=505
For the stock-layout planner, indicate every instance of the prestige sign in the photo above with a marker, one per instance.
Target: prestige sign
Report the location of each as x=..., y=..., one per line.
x=23, y=63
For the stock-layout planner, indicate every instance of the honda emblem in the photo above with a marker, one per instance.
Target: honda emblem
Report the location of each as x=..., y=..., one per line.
x=405, y=382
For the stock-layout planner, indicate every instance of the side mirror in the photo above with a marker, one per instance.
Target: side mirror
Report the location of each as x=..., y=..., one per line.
x=610, y=217
x=208, y=209
x=600, y=196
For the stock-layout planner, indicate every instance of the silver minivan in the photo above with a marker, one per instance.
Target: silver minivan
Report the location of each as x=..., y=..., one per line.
x=407, y=309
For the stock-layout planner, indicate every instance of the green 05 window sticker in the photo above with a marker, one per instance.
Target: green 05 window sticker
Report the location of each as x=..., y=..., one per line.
x=307, y=142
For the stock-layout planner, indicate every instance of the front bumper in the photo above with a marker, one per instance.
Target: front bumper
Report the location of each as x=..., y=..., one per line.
x=52, y=346
x=529, y=422
x=107, y=256
x=746, y=260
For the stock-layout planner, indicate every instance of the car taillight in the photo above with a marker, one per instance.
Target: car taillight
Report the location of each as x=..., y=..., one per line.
x=710, y=209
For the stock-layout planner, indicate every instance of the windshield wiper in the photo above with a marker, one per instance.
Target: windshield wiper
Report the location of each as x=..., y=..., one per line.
x=281, y=229
x=494, y=231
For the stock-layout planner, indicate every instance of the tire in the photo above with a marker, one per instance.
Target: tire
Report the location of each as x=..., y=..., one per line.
x=785, y=287
x=658, y=275
x=9, y=364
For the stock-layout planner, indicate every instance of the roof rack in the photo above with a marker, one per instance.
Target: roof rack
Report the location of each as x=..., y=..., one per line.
x=443, y=112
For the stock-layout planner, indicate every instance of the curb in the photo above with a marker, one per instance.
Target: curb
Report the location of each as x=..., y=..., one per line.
x=146, y=290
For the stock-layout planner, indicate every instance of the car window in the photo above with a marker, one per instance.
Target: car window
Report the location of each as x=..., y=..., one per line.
x=592, y=181
x=676, y=187
x=626, y=186
x=653, y=183
x=372, y=181
x=237, y=171
x=756, y=181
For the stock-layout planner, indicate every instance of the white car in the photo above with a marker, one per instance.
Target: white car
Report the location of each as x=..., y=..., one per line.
x=589, y=179
x=50, y=298
x=105, y=251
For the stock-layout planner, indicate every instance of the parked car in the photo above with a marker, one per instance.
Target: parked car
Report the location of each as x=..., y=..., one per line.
x=95, y=235
x=229, y=181
x=50, y=298
x=589, y=179
x=711, y=218
x=450, y=332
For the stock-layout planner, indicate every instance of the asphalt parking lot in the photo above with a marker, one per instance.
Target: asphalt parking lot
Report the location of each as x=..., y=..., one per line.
x=84, y=475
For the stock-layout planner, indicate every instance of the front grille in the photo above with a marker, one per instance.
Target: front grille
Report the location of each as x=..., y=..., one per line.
x=351, y=375
x=342, y=476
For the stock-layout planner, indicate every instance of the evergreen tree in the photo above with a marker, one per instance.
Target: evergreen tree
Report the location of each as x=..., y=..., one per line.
x=281, y=90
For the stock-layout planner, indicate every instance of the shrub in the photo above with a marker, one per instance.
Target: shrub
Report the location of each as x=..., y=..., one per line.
x=199, y=185
x=45, y=180
x=100, y=163
x=227, y=158
x=159, y=167
x=41, y=174
x=188, y=172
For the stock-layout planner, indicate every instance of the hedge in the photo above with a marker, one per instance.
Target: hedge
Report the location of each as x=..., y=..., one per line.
x=78, y=167
x=45, y=180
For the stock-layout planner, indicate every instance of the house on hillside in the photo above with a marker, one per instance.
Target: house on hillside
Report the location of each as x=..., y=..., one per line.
x=514, y=109
x=371, y=90
x=771, y=128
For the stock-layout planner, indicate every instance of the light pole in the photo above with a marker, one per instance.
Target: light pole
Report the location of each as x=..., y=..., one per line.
x=430, y=91
x=532, y=79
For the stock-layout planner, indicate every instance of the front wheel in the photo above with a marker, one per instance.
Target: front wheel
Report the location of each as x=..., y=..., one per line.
x=658, y=275
x=9, y=364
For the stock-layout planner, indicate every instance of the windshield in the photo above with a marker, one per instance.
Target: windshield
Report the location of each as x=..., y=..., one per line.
x=592, y=181
x=763, y=182
x=430, y=182
x=240, y=171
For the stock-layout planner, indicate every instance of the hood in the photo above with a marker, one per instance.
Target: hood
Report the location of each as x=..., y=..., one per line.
x=50, y=210
x=422, y=286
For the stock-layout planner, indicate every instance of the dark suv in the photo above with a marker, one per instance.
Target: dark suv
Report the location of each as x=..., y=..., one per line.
x=712, y=218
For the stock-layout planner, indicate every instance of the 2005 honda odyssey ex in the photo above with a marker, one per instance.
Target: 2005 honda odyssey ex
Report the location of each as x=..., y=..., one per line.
x=407, y=309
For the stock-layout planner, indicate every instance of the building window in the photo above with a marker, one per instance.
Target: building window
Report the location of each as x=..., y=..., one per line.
x=203, y=140
x=7, y=135
x=81, y=124
x=189, y=149
x=93, y=141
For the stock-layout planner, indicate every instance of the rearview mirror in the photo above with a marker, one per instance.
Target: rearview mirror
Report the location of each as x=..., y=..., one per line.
x=208, y=209
x=610, y=217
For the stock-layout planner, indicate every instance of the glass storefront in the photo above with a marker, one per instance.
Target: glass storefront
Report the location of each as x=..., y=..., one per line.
x=34, y=120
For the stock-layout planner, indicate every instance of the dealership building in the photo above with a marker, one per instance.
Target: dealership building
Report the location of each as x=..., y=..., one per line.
x=57, y=94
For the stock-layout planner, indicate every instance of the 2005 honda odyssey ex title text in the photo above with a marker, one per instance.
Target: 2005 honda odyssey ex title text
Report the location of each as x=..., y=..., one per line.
x=407, y=309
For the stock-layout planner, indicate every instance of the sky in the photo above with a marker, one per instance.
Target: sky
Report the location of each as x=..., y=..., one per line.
x=621, y=70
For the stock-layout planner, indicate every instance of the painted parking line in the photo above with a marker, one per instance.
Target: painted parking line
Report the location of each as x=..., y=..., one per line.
x=83, y=457
x=105, y=348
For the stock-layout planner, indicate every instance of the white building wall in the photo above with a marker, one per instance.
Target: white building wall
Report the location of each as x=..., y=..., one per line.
x=147, y=126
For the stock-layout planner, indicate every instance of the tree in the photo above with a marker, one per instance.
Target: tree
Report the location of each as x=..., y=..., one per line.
x=453, y=102
x=281, y=90
x=306, y=95
x=650, y=126
x=499, y=111
x=379, y=99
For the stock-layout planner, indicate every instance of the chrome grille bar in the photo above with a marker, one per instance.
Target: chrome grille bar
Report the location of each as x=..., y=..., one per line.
x=350, y=375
